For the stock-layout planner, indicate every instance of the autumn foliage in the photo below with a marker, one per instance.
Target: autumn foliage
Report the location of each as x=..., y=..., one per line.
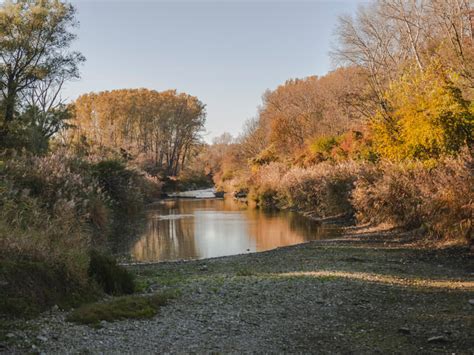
x=161, y=129
x=387, y=137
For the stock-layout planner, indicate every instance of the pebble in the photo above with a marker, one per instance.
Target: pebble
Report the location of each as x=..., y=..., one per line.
x=404, y=330
x=42, y=338
x=261, y=314
x=471, y=302
x=10, y=335
x=438, y=339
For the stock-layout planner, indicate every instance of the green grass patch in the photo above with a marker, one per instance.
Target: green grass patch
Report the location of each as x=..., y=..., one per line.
x=245, y=272
x=168, y=278
x=134, y=307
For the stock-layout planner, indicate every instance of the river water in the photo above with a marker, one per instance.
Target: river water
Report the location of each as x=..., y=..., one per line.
x=184, y=229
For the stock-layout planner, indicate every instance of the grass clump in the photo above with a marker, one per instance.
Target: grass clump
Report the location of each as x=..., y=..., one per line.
x=245, y=272
x=113, y=278
x=30, y=287
x=126, y=307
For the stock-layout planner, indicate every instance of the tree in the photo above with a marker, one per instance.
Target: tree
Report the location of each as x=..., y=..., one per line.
x=34, y=48
x=428, y=116
x=306, y=108
x=161, y=128
x=387, y=35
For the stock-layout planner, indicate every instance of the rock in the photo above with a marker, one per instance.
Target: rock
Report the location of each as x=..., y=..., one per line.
x=10, y=335
x=103, y=323
x=203, y=267
x=438, y=339
x=404, y=330
x=471, y=302
x=55, y=308
x=42, y=338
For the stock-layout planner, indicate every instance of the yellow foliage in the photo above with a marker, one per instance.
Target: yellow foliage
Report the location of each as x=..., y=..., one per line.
x=427, y=116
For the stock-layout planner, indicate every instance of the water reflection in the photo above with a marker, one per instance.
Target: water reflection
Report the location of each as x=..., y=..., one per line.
x=190, y=229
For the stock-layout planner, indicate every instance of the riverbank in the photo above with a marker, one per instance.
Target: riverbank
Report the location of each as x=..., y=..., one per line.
x=324, y=296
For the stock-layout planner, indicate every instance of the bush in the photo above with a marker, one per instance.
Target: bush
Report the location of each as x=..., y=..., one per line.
x=52, y=209
x=114, y=279
x=265, y=184
x=322, y=146
x=324, y=189
x=31, y=231
x=57, y=179
x=121, y=184
x=31, y=286
x=438, y=195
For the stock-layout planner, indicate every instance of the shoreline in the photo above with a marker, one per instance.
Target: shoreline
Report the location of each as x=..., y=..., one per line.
x=350, y=295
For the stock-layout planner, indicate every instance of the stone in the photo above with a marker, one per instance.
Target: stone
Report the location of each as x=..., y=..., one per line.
x=438, y=339
x=404, y=330
x=42, y=338
x=471, y=302
x=10, y=335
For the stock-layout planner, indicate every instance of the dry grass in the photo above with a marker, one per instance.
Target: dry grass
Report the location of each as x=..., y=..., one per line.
x=440, y=198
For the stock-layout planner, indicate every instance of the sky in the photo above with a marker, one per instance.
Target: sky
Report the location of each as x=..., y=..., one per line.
x=225, y=52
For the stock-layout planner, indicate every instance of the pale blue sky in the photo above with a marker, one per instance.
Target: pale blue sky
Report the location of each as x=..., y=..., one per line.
x=227, y=52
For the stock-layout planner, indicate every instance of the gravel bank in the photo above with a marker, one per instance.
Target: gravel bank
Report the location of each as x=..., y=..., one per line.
x=318, y=297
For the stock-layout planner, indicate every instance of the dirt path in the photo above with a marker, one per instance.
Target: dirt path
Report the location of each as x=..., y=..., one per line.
x=317, y=297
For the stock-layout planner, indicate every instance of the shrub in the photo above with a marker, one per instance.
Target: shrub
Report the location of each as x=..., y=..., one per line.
x=265, y=184
x=121, y=184
x=57, y=179
x=267, y=156
x=32, y=286
x=31, y=231
x=322, y=146
x=438, y=195
x=113, y=278
x=323, y=189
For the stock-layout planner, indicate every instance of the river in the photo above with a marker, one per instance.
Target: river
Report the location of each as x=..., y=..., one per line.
x=184, y=229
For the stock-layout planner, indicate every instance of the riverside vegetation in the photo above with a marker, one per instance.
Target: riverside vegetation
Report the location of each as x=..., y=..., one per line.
x=64, y=187
x=386, y=138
